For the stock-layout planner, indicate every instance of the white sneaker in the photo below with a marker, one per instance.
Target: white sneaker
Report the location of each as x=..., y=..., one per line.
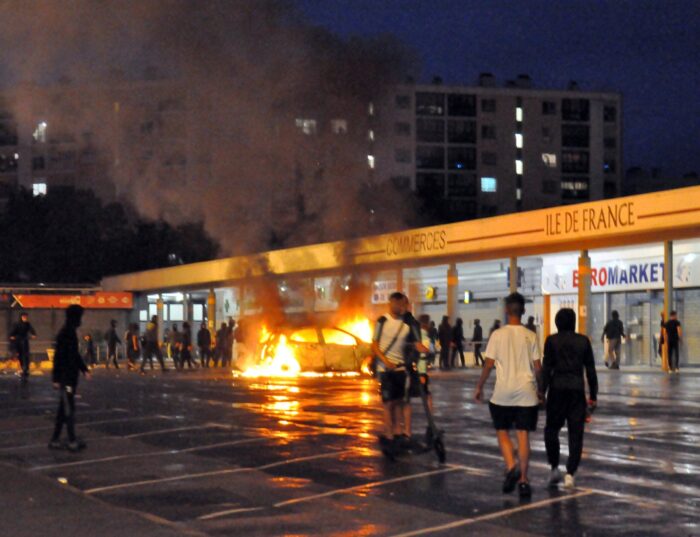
x=554, y=477
x=569, y=482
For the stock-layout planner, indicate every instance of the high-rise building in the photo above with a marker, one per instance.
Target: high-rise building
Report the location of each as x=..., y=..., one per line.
x=485, y=150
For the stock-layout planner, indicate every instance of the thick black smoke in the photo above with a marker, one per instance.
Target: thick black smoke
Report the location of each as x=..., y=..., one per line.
x=246, y=70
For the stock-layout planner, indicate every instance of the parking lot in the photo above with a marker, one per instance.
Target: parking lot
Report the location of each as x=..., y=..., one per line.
x=203, y=453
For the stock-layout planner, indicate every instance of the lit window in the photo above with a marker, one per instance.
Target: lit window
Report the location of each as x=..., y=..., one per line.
x=39, y=189
x=307, y=126
x=519, y=140
x=488, y=184
x=370, y=161
x=40, y=132
x=519, y=167
x=16, y=156
x=518, y=114
x=370, y=135
x=549, y=159
x=518, y=194
x=339, y=126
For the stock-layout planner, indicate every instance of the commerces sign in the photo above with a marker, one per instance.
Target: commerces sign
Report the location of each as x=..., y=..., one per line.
x=97, y=300
x=637, y=274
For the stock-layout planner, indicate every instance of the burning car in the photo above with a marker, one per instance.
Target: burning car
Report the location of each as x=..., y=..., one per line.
x=312, y=349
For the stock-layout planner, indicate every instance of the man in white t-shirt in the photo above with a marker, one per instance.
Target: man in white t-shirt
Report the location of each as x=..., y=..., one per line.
x=514, y=351
x=395, y=335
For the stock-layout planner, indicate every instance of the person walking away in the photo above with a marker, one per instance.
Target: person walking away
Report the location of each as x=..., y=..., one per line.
x=422, y=371
x=230, y=340
x=445, y=338
x=434, y=339
x=186, y=346
x=477, y=339
x=112, y=342
x=204, y=344
x=220, y=345
x=566, y=356
x=458, y=343
x=674, y=335
x=133, y=346
x=67, y=366
x=531, y=324
x=662, y=340
x=514, y=352
x=614, y=331
x=20, y=335
x=175, y=345
x=89, y=356
x=152, y=346
x=393, y=338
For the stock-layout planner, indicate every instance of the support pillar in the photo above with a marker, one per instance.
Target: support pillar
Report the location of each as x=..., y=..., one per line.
x=668, y=295
x=160, y=309
x=211, y=311
x=513, y=275
x=547, y=322
x=452, y=291
x=399, y=280
x=584, y=293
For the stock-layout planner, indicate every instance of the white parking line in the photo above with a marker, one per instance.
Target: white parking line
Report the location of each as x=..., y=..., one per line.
x=144, y=455
x=89, y=423
x=214, y=473
x=492, y=516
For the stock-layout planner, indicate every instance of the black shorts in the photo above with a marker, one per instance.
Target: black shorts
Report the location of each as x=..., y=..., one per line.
x=414, y=389
x=522, y=418
x=393, y=385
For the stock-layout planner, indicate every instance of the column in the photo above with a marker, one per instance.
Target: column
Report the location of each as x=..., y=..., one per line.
x=668, y=295
x=452, y=291
x=160, y=309
x=547, y=322
x=399, y=280
x=513, y=275
x=211, y=311
x=584, y=293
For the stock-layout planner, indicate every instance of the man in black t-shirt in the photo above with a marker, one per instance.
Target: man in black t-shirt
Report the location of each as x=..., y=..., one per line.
x=673, y=335
x=614, y=331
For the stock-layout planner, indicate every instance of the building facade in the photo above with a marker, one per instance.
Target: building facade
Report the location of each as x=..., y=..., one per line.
x=487, y=150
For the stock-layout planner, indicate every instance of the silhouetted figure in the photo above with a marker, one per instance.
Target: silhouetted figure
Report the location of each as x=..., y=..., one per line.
x=151, y=346
x=175, y=341
x=477, y=341
x=20, y=335
x=445, y=338
x=531, y=324
x=674, y=335
x=133, y=345
x=458, y=342
x=204, y=344
x=112, y=342
x=186, y=347
x=614, y=331
x=221, y=345
x=89, y=356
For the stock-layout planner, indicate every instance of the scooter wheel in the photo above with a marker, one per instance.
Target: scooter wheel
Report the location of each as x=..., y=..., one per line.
x=440, y=450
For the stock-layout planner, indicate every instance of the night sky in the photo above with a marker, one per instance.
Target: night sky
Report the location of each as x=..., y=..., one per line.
x=649, y=50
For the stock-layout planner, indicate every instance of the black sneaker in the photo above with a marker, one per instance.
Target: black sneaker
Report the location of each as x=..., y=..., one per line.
x=511, y=479
x=525, y=490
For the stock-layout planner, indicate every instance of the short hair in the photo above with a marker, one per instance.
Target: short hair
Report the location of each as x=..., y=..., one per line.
x=565, y=320
x=673, y=312
x=615, y=314
x=397, y=295
x=476, y=321
x=515, y=304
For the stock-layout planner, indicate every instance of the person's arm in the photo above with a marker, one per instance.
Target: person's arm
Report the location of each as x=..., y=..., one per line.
x=537, y=365
x=622, y=330
x=680, y=332
x=382, y=357
x=591, y=376
x=485, y=372
x=32, y=331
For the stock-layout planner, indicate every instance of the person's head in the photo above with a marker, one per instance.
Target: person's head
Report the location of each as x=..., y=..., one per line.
x=24, y=316
x=424, y=321
x=674, y=314
x=663, y=315
x=397, y=304
x=74, y=315
x=477, y=322
x=204, y=326
x=459, y=321
x=185, y=326
x=497, y=323
x=565, y=319
x=515, y=305
x=223, y=326
x=134, y=327
x=154, y=319
x=87, y=337
x=445, y=319
x=432, y=324
x=113, y=323
x=175, y=328
x=615, y=315
x=231, y=322
x=530, y=320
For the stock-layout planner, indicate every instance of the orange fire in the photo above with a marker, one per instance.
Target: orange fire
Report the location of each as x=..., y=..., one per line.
x=359, y=327
x=278, y=359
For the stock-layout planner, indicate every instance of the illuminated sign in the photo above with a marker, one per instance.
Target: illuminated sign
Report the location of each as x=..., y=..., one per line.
x=467, y=297
x=98, y=300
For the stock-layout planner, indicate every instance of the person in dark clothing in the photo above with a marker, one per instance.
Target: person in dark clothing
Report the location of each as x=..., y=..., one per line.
x=496, y=326
x=186, y=346
x=175, y=340
x=531, y=324
x=67, y=366
x=477, y=339
x=204, y=344
x=614, y=331
x=673, y=334
x=20, y=335
x=90, y=358
x=458, y=343
x=152, y=347
x=230, y=338
x=445, y=338
x=112, y=342
x=221, y=345
x=133, y=345
x=566, y=356
x=662, y=340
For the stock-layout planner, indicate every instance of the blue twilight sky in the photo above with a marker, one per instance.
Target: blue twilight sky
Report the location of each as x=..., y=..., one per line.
x=647, y=49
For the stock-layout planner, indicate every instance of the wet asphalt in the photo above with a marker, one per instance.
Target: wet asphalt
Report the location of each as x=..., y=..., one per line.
x=203, y=453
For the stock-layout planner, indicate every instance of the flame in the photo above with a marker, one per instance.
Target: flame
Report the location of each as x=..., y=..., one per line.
x=279, y=359
x=359, y=327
